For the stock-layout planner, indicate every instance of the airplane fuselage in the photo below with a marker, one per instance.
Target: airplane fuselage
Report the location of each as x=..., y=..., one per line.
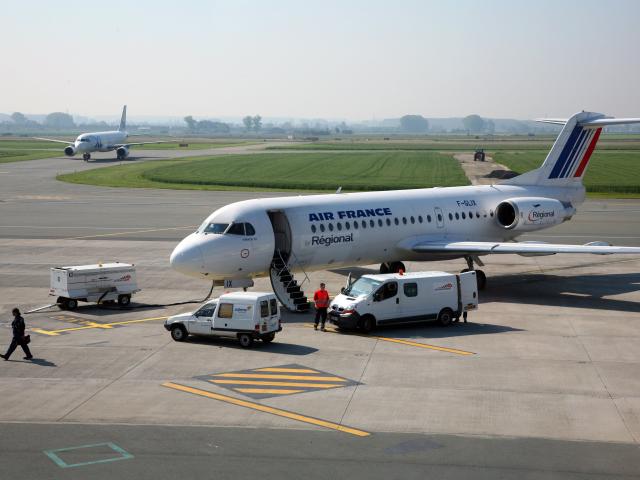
x=316, y=232
x=98, y=142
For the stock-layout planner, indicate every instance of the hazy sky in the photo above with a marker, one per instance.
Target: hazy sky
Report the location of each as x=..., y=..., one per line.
x=332, y=59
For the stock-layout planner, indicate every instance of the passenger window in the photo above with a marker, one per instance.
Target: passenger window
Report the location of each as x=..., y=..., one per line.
x=457, y=216
x=225, y=310
x=331, y=227
x=429, y=218
x=395, y=220
x=313, y=228
x=364, y=223
x=419, y=218
x=404, y=220
x=388, y=290
x=347, y=226
x=264, y=308
x=477, y=214
x=450, y=217
x=274, y=306
x=411, y=289
x=389, y=222
x=206, y=311
x=249, y=230
x=339, y=225
x=464, y=217
x=322, y=227
x=440, y=217
x=236, y=229
x=470, y=214
x=379, y=222
x=413, y=220
x=355, y=225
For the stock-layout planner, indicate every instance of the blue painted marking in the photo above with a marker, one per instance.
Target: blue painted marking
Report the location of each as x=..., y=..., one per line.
x=580, y=153
x=53, y=455
x=574, y=152
x=564, y=155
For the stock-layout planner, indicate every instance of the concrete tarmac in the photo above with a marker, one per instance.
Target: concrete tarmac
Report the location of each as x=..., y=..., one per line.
x=550, y=387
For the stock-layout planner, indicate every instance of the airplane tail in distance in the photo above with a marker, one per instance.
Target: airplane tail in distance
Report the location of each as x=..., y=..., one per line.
x=123, y=120
x=567, y=160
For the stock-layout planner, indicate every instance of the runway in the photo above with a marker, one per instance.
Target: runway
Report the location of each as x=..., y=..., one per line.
x=550, y=387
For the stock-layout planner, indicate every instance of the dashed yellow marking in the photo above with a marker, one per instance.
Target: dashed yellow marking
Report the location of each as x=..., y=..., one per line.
x=276, y=384
x=90, y=325
x=403, y=342
x=266, y=409
x=281, y=377
x=276, y=391
x=285, y=370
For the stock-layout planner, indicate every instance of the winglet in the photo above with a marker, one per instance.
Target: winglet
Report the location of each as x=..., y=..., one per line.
x=123, y=120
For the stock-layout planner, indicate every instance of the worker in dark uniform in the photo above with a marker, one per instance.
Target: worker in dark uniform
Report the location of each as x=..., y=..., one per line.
x=321, y=300
x=18, y=327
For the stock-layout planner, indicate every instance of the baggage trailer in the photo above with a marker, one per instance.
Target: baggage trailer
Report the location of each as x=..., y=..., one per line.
x=104, y=282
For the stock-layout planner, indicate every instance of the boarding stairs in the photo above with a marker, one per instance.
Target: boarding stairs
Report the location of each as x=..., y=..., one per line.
x=285, y=286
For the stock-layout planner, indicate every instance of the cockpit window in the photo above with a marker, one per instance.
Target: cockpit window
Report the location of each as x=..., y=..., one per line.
x=249, y=230
x=236, y=229
x=218, y=228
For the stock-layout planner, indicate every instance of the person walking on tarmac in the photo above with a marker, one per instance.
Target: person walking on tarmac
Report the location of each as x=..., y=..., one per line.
x=18, y=327
x=321, y=299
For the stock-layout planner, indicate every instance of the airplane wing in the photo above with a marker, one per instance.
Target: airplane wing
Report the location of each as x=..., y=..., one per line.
x=520, y=248
x=53, y=140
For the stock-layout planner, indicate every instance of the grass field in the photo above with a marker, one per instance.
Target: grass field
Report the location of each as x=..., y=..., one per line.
x=459, y=143
x=191, y=145
x=353, y=171
x=7, y=156
x=608, y=171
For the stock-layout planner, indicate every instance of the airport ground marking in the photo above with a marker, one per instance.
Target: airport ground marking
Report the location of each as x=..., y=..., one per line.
x=268, y=382
x=266, y=409
x=115, y=234
x=53, y=455
x=92, y=325
x=404, y=342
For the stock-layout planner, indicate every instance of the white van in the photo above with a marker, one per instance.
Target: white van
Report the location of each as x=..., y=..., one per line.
x=395, y=298
x=247, y=316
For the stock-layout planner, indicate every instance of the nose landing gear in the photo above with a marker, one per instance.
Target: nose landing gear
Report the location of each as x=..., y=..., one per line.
x=481, y=278
x=86, y=157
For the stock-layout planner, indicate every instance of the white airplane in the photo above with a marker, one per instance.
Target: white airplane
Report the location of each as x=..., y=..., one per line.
x=282, y=236
x=86, y=143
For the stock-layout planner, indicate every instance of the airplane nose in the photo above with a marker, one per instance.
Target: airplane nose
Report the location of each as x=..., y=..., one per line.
x=187, y=258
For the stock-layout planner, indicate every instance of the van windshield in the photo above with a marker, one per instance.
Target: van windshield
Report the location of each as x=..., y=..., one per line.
x=362, y=286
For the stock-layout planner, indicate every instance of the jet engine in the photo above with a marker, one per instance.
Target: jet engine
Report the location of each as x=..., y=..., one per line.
x=69, y=151
x=532, y=213
x=122, y=153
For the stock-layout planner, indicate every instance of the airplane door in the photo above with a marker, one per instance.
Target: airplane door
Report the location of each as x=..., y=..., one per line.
x=439, y=217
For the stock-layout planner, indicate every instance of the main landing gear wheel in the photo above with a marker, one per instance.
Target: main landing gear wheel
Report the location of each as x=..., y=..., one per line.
x=86, y=157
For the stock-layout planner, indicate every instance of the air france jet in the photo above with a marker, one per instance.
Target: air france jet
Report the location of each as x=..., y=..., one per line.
x=86, y=143
x=280, y=237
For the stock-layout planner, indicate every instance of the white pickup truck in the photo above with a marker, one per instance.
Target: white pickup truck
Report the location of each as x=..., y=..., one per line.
x=247, y=316
x=390, y=299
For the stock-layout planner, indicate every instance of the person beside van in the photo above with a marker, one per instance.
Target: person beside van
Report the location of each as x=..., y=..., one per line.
x=321, y=300
x=18, y=326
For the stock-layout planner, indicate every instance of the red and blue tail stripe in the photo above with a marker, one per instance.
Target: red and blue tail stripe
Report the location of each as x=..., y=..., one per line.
x=575, y=154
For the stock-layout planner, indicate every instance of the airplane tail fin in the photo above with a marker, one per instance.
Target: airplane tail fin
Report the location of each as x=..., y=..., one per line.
x=569, y=156
x=123, y=120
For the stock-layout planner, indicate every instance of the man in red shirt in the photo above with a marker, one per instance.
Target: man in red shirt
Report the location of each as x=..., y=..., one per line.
x=321, y=299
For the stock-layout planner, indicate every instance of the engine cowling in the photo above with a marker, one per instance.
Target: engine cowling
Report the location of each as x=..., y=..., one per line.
x=122, y=153
x=69, y=151
x=531, y=213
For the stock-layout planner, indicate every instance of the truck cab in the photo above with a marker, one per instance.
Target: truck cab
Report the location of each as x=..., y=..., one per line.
x=247, y=316
x=390, y=299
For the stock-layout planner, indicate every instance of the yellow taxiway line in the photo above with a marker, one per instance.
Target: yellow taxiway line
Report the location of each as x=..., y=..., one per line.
x=276, y=384
x=406, y=342
x=89, y=325
x=266, y=409
x=280, y=377
x=285, y=370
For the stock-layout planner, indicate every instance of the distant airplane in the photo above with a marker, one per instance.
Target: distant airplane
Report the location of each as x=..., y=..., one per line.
x=277, y=237
x=101, y=142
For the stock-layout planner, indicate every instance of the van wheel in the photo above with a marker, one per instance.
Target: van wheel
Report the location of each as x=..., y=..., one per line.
x=124, y=300
x=245, y=340
x=178, y=333
x=71, y=304
x=367, y=323
x=269, y=338
x=445, y=317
